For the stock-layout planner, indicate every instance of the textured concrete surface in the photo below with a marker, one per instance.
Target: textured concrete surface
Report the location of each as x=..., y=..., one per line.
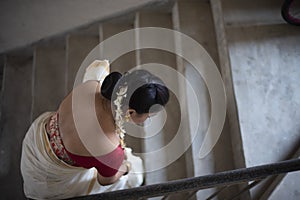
x=280, y=183
x=49, y=77
x=264, y=53
x=206, y=165
x=232, y=118
x=2, y=60
x=202, y=30
x=175, y=170
x=265, y=73
x=255, y=12
x=152, y=56
x=15, y=121
x=288, y=188
x=28, y=21
x=124, y=62
x=2, y=63
x=195, y=20
x=78, y=47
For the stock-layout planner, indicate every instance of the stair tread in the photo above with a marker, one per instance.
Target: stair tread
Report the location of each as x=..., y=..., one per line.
x=15, y=121
x=177, y=169
x=288, y=188
x=252, y=13
x=78, y=48
x=195, y=19
x=124, y=62
x=50, y=78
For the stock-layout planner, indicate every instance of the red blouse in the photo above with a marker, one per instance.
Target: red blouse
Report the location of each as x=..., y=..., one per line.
x=107, y=165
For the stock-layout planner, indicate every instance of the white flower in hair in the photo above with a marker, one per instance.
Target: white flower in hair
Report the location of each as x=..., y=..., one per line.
x=118, y=101
x=123, y=90
x=119, y=123
x=119, y=120
x=118, y=115
x=122, y=135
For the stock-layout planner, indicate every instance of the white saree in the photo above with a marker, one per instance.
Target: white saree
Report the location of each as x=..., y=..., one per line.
x=47, y=177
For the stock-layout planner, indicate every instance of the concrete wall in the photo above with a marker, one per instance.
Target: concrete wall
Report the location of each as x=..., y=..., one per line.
x=264, y=58
x=23, y=22
x=265, y=72
x=264, y=53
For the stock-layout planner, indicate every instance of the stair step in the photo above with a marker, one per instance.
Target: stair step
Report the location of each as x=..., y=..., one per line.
x=15, y=120
x=124, y=62
x=201, y=28
x=252, y=13
x=195, y=19
x=161, y=139
x=284, y=186
x=288, y=188
x=2, y=63
x=154, y=19
x=78, y=47
x=49, y=76
x=156, y=141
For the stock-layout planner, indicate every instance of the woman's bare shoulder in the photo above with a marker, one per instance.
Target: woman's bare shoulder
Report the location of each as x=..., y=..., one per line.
x=81, y=90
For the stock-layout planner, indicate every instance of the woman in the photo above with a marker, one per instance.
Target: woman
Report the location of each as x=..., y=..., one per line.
x=79, y=149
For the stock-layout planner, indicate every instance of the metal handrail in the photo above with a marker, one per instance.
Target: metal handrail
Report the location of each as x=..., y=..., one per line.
x=202, y=182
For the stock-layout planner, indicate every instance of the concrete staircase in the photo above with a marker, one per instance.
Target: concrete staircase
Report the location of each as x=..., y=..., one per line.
x=35, y=79
x=263, y=52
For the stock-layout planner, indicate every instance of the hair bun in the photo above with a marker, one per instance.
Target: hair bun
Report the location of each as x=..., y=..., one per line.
x=109, y=83
x=162, y=94
x=151, y=85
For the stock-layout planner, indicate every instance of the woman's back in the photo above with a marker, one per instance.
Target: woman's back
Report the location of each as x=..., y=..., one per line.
x=82, y=143
x=86, y=122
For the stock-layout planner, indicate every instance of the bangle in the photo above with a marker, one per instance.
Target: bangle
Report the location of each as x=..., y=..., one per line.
x=128, y=167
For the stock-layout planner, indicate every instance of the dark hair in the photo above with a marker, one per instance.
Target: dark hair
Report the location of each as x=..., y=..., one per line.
x=109, y=83
x=144, y=89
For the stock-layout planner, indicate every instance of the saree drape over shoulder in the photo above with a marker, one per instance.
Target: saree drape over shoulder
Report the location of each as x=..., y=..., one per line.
x=47, y=177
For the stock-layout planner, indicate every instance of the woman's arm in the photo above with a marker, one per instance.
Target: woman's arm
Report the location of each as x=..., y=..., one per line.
x=123, y=170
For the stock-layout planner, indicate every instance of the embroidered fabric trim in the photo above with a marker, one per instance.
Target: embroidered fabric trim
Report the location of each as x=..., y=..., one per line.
x=56, y=141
